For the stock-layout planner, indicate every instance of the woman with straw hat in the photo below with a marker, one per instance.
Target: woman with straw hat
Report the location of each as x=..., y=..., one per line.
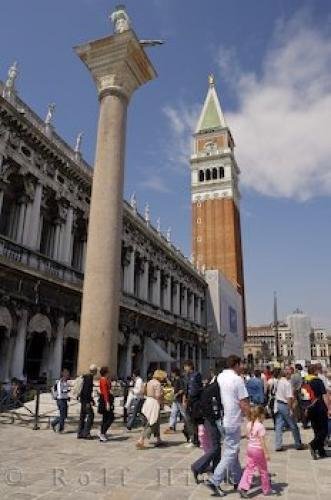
x=151, y=409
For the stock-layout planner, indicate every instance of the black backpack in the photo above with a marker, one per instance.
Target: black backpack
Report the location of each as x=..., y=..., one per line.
x=210, y=402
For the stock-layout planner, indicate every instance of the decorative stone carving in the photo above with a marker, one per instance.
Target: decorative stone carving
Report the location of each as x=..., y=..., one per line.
x=120, y=19
x=78, y=142
x=39, y=323
x=9, y=87
x=50, y=113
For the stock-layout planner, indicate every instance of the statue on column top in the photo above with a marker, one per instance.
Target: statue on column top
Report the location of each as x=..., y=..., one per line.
x=78, y=142
x=120, y=19
x=10, y=82
x=133, y=202
x=168, y=236
x=158, y=225
x=147, y=213
x=50, y=113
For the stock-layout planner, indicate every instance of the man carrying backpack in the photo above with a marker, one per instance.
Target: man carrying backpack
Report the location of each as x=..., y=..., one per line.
x=85, y=397
x=211, y=409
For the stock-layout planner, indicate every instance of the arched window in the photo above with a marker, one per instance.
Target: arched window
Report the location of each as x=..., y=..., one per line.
x=214, y=173
x=221, y=170
x=207, y=174
x=201, y=175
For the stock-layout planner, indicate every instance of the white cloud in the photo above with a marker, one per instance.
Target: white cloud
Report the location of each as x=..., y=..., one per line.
x=182, y=120
x=282, y=124
x=282, y=121
x=155, y=182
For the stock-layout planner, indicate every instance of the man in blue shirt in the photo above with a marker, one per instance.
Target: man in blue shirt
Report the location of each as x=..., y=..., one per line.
x=191, y=401
x=255, y=389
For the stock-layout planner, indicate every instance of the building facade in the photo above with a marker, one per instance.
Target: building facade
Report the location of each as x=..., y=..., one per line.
x=45, y=188
x=259, y=347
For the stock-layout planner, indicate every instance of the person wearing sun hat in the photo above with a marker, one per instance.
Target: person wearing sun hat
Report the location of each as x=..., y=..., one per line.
x=151, y=409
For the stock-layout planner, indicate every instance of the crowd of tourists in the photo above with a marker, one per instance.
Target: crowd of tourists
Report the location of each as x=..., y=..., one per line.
x=211, y=412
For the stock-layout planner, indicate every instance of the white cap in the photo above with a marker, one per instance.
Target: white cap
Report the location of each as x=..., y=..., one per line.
x=93, y=368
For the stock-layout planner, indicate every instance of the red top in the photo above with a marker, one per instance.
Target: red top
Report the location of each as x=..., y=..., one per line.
x=105, y=386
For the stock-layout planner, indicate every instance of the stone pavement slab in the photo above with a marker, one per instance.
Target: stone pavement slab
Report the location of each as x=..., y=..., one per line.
x=46, y=466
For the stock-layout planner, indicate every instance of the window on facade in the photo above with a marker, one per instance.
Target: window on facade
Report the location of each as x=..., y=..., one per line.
x=198, y=220
x=214, y=173
x=221, y=172
x=207, y=174
x=201, y=175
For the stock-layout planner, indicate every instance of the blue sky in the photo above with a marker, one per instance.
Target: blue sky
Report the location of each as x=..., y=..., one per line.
x=272, y=62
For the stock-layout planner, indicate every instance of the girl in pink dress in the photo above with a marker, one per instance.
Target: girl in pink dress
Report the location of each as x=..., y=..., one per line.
x=257, y=454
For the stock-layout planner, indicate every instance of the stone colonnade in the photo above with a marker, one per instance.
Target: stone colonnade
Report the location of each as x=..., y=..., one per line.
x=33, y=342
x=145, y=280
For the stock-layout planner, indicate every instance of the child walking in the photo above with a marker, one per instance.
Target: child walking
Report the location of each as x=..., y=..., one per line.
x=257, y=454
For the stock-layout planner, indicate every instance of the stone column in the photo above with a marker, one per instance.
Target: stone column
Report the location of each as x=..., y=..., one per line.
x=157, y=288
x=178, y=355
x=20, y=226
x=128, y=364
x=67, y=237
x=184, y=306
x=19, y=348
x=200, y=359
x=168, y=365
x=58, y=350
x=198, y=318
x=56, y=244
x=131, y=272
x=194, y=356
x=7, y=359
x=32, y=219
x=144, y=280
x=186, y=355
x=177, y=299
x=167, y=294
x=119, y=66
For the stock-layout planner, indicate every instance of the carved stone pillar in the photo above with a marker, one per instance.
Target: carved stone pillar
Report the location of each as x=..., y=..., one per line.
x=198, y=310
x=19, y=347
x=58, y=350
x=200, y=359
x=9, y=347
x=130, y=282
x=167, y=293
x=67, y=237
x=194, y=356
x=177, y=299
x=178, y=355
x=168, y=364
x=128, y=364
x=32, y=219
x=184, y=303
x=157, y=288
x=57, y=241
x=21, y=217
x=144, y=281
x=119, y=66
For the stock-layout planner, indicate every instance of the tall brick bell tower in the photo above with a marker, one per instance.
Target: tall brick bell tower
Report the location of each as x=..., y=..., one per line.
x=216, y=231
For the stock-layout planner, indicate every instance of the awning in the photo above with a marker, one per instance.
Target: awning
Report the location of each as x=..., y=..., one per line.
x=155, y=353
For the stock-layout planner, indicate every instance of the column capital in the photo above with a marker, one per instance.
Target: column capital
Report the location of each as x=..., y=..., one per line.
x=118, y=63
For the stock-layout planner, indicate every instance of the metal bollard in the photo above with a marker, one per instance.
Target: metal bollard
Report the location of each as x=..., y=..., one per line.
x=36, y=414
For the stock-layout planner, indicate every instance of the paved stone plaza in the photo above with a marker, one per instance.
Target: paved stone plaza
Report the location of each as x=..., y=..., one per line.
x=42, y=465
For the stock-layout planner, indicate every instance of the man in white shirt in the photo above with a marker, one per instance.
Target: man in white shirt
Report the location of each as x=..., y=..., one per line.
x=61, y=394
x=138, y=396
x=234, y=398
x=284, y=403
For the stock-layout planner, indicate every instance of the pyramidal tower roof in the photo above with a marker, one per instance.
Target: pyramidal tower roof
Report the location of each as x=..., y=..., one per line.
x=211, y=116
